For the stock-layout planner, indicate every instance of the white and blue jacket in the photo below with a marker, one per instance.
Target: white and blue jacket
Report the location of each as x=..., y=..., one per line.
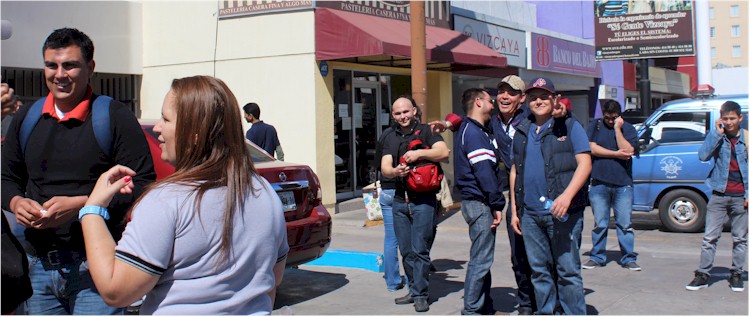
x=476, y=168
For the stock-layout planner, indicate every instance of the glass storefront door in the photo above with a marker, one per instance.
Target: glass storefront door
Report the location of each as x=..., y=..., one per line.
x=362, y=112
x=357, y=121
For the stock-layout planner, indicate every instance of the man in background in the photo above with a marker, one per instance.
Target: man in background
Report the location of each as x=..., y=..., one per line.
x=262, y=134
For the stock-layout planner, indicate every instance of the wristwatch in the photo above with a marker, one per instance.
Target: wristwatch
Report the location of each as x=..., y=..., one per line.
x=93, y=210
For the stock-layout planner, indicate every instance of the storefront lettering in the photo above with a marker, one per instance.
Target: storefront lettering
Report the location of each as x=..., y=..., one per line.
x=498, y=43
x=567, y=57
x=260, y=7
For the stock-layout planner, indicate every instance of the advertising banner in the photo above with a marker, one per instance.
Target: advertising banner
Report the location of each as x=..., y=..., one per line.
x=643, y=29
x=562, y=56
x=508, y=42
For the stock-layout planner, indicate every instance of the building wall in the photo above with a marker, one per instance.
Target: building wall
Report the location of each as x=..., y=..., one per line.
x=267, y=59
x=114, y=27
x=574, y=18
x=730, y=81
x=518, y=12
x=723, y=40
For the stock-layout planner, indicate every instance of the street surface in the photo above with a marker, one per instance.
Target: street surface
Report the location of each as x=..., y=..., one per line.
x=668, y=260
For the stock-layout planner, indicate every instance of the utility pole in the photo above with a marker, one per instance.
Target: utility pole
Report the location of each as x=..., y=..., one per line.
x=418, y=57
x=703, y=42
x=644, y=87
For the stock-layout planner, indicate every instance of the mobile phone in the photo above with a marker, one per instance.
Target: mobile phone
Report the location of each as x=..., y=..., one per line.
x=721, y=125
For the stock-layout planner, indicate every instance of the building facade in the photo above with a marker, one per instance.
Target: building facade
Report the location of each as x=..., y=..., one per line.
x=326, y=72
x=729, y=34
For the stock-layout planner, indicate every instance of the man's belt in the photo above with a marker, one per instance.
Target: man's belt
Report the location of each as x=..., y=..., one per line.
x=57, y=259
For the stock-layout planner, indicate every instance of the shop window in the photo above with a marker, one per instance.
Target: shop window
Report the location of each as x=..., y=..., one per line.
x=711, y=12
x=713, y=32
x=713, y=52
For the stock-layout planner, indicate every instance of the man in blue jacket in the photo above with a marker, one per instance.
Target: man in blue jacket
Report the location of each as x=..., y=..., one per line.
x=478, y=178
x=727, y=145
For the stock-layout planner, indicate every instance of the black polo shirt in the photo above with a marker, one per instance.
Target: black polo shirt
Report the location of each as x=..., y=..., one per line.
x=395, y=144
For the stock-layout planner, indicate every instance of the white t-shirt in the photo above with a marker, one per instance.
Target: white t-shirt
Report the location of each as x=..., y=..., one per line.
x=167, y=238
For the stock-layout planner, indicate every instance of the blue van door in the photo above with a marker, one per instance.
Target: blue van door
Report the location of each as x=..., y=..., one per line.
x=667, y=173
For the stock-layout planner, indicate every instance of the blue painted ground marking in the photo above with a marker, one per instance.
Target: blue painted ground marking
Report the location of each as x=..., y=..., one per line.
x=370, y=261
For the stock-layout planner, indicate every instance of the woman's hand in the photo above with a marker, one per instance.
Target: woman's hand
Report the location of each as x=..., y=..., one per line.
x=117, y=179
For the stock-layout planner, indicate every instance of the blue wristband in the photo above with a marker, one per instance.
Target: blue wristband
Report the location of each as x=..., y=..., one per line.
x=93, y=210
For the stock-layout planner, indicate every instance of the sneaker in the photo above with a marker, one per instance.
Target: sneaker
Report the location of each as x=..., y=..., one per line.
x=700, y=281
x=591, y=264
x=632, y=266
x=403, y=300
x=735, y=282
x=525, y=311
x=421, y=305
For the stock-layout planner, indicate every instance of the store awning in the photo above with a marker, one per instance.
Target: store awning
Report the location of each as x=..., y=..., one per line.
x=346, y=35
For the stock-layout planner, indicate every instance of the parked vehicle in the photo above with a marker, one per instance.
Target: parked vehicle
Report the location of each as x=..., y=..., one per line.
x=308, y=223
x=667, y=173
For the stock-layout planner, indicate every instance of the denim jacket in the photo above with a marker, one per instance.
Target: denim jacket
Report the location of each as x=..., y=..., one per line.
x=720, y=148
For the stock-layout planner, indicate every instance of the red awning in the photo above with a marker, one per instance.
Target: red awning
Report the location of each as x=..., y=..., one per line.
x=341, y=34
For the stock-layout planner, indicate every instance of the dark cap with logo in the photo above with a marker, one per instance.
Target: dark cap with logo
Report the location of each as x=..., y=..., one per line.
x=541, y=83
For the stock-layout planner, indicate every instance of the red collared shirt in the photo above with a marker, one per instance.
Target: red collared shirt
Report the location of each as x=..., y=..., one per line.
x=79, y=112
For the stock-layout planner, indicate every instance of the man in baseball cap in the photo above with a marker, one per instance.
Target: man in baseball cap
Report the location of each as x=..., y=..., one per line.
x=551, y=160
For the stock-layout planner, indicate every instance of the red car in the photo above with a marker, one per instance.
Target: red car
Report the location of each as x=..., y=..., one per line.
x=308, y=223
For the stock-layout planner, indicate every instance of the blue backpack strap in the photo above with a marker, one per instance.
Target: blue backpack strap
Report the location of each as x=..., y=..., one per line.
x=29, y=122
x=100, y=117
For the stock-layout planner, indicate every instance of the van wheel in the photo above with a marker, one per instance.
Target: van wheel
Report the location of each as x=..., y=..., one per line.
x=682, y=210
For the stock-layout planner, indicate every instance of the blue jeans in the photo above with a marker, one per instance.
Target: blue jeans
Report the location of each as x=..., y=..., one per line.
x=65, y=291
x=604, y=197
x=719, y=207
x=521, y=270
x=390, y=244
x=478, y=283
x=414, y=223
x=554, y=244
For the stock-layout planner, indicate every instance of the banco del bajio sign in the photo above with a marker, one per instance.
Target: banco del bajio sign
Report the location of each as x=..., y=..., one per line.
x=563, y=56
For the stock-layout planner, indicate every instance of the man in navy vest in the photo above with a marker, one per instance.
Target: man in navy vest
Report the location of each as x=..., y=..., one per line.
x=262, y=134
x=47, y=183
x=551, y=160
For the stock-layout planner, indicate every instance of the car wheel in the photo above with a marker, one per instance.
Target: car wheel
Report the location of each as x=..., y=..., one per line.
x=683, y=210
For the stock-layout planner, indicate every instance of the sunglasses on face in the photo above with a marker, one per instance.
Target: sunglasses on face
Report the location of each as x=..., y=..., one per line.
x=511, y=92
x=492, y=101
x=534, y=97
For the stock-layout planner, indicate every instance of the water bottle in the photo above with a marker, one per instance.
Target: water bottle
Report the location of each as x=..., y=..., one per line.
x=548, y=204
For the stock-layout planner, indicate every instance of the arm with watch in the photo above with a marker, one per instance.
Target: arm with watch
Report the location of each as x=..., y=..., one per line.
x=119, y=283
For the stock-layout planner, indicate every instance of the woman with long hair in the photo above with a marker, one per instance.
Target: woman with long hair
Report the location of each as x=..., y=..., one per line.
x=210, y=238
